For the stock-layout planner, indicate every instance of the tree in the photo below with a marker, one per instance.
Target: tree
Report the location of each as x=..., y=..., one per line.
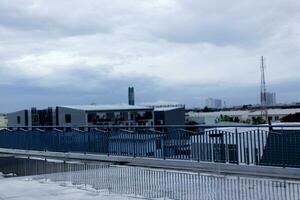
x=206, y=109
x=236, y=119
x=226, y=118
x=258, y=120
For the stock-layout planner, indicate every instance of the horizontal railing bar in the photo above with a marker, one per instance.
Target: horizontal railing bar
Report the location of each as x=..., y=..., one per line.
x=25, y=130
x=127, y=131
x=188, y=131
x=161, y=126
x=156, y=131
x=59, y=130
x=99, y=130
x=77, y=129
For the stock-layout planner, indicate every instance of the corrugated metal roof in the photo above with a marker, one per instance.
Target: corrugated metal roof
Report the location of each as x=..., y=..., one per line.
x=107, y=107
x=217, y=114
x=166, y=108
x=245, y=112
x=278, y=111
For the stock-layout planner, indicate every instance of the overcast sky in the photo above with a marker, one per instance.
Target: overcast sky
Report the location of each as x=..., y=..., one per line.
x=57, y=52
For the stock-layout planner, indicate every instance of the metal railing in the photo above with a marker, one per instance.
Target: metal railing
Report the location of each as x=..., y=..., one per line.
x=147, y=183
x=243, y=145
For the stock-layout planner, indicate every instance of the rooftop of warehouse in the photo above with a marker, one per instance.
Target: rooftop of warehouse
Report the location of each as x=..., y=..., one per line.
x=106, y=107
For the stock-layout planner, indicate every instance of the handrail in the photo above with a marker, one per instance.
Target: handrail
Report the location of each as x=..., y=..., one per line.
x=59, y=130
x=99, y=130
x=128, y=131
x=255, y=146
x=156, y=131
x=189, y=131
x=165, y=126
x=6, y=129
x=77, y=129
x=41, y=130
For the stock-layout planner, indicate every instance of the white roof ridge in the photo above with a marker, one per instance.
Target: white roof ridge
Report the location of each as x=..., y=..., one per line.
x=105, y=107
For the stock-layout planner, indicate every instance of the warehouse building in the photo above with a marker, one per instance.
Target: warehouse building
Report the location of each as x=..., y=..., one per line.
x=83, y=115
x=18, y=118
x=32, y=117
x=211, y=118
x=169, y=115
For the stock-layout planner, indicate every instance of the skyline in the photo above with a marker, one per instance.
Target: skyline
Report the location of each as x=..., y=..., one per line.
x=170, y=51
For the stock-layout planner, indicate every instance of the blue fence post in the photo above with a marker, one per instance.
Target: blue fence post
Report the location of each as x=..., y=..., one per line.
x=237, y=146
x=85, y=144
x=107, y=141
x=134, y=144
x=259, y=153
x=29, y=141
x=163, y=147
x=282, y=147
x=196, y=148
x=45, y=139
x=89, y=140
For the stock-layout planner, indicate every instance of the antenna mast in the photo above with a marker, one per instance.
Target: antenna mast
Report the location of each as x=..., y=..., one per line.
x=263, y=92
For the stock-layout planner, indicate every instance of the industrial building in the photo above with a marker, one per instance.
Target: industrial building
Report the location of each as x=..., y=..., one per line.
x=210, y=118
x=98, y=115
x=18, y=118
x=169, y=115
x=83, y=115
x=126, y=115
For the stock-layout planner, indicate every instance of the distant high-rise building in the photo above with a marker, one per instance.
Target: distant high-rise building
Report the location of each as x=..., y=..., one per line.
x=218, y=103
x=209, y=103
x=214, y=103
x=270, y=98
x=131, y=96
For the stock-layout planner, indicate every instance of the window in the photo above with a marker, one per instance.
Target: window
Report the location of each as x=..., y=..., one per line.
x=91, y=117
x=68, y=118
x=18, y=119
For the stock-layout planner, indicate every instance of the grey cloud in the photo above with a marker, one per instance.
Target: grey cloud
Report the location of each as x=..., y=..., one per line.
x=73, y=52
x=24, y=94
x=51, y=19
x=228, y=23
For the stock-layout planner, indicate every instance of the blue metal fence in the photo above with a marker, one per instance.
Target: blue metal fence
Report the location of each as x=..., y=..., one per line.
x=249, y=145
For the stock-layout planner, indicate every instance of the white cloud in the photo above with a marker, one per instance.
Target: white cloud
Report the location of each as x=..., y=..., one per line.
x=202, y=44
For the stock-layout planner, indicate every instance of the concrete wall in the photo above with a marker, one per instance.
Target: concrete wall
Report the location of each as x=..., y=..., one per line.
x=171, y=117
x=78, y=117
x=12, y=118
x=175, y=117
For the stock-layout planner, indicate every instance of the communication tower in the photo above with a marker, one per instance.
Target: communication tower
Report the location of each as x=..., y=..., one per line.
x=263, y=91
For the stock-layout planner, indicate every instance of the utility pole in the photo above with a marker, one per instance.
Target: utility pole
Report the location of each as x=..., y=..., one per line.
x=263, y=92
